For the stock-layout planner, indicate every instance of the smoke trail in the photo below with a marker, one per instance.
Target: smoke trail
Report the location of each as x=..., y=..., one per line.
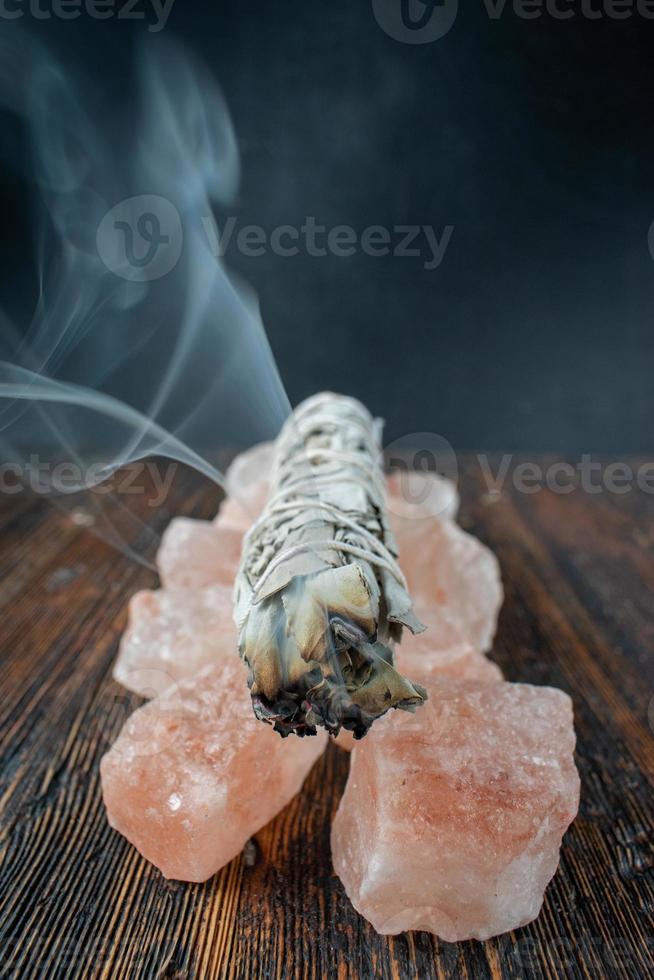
x=140, y=343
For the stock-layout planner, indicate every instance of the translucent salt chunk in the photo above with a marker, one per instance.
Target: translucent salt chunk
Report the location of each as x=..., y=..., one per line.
x=250, y=467
x=238, y=513
x=193, y=774
x=453, y=579
x=248, y=482
x=172, y=635
x=416, y=659
x=415, y=494
x=452, y=818
x=198, y=553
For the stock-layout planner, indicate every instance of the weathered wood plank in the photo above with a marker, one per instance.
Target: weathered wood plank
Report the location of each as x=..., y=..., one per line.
x=78, y=901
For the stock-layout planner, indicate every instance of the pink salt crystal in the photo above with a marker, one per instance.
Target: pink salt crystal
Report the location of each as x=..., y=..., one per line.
x=452, y=818
x=172, y=635
x=345, y=740
x=247, y=484
x=193, y=774
x=417, y=660
x=416, y=494
x=239, y=513
x=458, y=663
x=197, y=553
x=442, y=651
x=250, y=467
x=454, y=577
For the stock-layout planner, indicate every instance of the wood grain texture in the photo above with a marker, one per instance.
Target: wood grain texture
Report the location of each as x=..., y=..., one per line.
x=77, y=899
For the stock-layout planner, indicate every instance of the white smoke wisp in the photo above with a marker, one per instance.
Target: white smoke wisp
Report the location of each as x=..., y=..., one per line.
x=140, y=342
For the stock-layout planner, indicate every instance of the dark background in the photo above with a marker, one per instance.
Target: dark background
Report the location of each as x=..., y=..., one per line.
x=533, y=138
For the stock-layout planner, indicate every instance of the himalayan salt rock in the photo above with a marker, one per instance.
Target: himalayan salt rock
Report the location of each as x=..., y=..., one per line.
x=454, y=581
x=452, y=818
x=247, y=483
x=442, y=650
x=172, y=635
x=421, y=662
x=250, y=467
x=460, y=662
x=197, y=553
x=345, y=740
x=239, y=513
x=193, y=774
x=415, y=494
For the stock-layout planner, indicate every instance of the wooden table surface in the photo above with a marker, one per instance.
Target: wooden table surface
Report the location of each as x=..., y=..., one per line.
x=78, y=900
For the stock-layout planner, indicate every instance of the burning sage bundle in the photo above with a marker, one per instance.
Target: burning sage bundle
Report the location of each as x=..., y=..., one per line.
x=320, y=600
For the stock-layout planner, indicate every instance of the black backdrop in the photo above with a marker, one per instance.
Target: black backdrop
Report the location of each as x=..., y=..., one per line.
x=532, y=138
